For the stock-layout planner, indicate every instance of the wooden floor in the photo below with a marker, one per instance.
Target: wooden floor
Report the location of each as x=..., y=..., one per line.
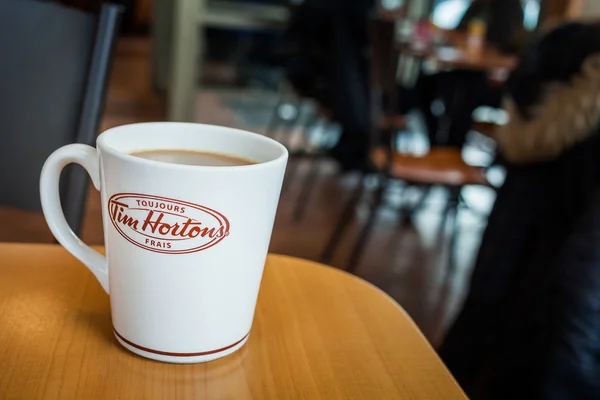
x=408, y=262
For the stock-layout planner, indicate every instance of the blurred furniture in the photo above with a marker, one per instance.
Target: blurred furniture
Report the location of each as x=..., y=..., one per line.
x=489, y=129
x=441, y=166
x=489, y=64
x=178, y=32
x=456, y=57
x=497, y=65
x=56, y=63
x=318, y=333
x=136, y=15
x=319, y=150
x=294, y=123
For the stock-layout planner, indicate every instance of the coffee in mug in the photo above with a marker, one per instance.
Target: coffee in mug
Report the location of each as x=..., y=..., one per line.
x=187, y=212
x=200, y=158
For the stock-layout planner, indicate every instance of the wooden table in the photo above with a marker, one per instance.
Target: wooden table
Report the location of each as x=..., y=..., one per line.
x=318, y=333
x=497, y=64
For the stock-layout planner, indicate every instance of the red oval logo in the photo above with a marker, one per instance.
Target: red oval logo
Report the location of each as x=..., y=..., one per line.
x=166, y=225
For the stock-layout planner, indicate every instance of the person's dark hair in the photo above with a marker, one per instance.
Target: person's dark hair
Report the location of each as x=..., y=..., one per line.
x=557, y=57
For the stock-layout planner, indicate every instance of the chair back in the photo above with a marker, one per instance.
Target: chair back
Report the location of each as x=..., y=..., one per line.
x=53, y=79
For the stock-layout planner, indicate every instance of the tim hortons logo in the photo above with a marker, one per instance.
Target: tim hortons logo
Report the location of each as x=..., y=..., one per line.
x=166, y=225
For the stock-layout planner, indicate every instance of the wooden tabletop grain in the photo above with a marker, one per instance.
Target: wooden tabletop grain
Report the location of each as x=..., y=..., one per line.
x=318, y=333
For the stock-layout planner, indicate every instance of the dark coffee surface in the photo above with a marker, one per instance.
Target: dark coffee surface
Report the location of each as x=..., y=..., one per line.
x=188, y=157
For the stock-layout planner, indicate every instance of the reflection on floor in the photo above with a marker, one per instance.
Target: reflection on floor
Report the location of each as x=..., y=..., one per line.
x=408, y=262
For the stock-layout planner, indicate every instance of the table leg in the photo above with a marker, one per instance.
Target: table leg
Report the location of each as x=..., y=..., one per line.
x=186, y=49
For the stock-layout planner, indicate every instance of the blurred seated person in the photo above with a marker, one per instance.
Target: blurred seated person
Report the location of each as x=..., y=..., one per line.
x=530, y=326
x=504, y=30
x=325, y=59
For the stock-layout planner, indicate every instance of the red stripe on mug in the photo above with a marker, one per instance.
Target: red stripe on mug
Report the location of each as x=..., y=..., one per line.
x=166, y=353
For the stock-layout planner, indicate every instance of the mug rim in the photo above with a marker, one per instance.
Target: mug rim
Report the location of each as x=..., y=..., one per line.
x=102, y=145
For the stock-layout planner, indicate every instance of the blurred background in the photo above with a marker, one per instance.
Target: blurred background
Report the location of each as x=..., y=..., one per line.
x=390, y=110
x=231, y=63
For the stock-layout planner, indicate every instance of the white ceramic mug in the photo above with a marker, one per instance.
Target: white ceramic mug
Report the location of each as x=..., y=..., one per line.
x=185, y=245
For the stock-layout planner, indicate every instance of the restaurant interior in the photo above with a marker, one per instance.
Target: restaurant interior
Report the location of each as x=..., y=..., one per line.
x=442, y=151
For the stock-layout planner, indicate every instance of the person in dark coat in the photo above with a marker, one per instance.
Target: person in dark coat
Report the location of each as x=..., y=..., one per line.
x=530, y=326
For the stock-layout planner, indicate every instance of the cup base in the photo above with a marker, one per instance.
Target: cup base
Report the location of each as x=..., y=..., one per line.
x=179, y=359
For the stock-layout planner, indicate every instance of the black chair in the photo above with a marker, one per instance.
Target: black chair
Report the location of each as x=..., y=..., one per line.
x=439, y=167
x=53, y=77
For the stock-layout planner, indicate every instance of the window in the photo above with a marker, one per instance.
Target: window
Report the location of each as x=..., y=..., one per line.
x=448, y=13
x=531, y=10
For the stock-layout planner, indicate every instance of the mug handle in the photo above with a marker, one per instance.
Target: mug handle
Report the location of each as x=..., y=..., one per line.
x=87, y=157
